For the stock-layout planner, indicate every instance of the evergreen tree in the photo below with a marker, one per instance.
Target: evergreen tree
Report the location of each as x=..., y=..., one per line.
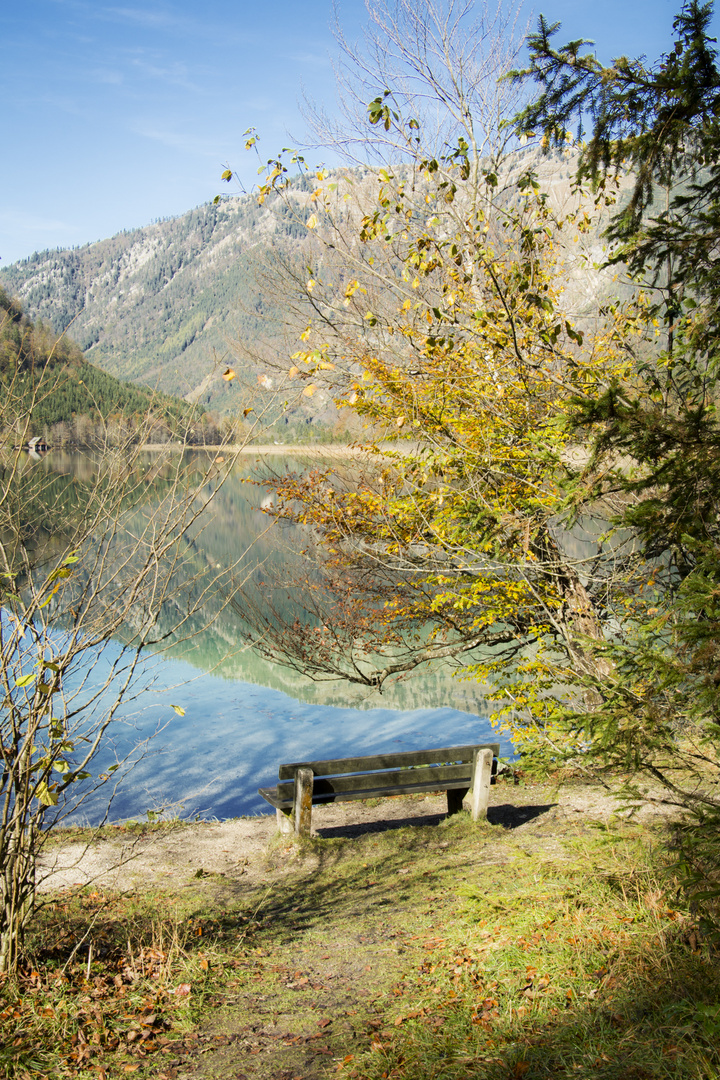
x=657, y=440
x=661, y=124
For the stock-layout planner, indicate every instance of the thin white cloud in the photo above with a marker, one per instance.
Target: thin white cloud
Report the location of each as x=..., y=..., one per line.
x=177, y=140
x=258, y=104
x=164, y=18
x=314, y=59
x=143, y=17
x=71, y=105
x=175, y=75
x=108, y=76
x=21, y=220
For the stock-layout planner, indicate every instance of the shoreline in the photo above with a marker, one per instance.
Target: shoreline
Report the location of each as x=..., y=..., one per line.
x=288, y=449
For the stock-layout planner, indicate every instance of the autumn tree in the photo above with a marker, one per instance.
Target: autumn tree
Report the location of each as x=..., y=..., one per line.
x=434, y=307
x=439, y=314
x=98, y=563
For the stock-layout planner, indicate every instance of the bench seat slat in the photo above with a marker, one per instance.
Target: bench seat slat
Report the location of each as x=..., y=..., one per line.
x=271, y=795
x=402, y=759
x=399, y=778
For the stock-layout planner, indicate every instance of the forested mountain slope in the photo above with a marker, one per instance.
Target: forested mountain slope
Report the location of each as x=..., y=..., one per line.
x=69, y=400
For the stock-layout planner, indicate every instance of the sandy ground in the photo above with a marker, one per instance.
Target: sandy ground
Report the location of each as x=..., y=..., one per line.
x=236, y=850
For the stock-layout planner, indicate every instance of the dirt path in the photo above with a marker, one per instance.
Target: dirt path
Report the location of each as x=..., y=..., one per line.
x=237, y=849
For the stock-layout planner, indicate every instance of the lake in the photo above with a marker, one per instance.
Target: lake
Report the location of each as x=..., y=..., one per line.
x=243, y=716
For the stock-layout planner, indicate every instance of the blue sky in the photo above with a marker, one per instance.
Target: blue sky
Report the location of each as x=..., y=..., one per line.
x=117, y=114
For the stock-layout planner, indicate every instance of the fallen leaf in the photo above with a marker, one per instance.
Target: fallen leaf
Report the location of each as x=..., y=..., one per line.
x=228, y=374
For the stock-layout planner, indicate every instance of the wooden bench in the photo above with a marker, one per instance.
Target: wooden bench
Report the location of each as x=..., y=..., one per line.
x=458, y=770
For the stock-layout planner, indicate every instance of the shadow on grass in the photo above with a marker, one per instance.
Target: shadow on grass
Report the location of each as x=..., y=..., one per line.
x=507, y=815
x=538, y=970
x=363, y=828
x=648, y=1021
x=512, y=817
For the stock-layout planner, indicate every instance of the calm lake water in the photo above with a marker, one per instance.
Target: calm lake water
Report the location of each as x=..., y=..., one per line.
x=243, y=715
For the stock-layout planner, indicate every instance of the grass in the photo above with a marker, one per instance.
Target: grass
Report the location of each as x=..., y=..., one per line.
x=428, y=953
x=559, y=970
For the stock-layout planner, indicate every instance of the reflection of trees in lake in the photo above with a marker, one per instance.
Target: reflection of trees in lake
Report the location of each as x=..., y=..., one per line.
x=235, y=532
x=269, y=549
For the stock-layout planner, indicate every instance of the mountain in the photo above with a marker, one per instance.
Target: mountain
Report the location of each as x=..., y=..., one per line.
x=162, y=305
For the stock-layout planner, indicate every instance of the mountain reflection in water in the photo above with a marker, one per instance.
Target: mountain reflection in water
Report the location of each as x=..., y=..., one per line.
x=243, y=715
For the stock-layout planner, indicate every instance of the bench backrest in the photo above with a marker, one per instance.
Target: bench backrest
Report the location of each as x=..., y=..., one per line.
x=446, y=767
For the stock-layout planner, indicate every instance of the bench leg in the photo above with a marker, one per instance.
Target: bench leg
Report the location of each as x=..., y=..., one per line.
x=284, y=821
x=480, y=791
x=455, y=798
x=303, y=801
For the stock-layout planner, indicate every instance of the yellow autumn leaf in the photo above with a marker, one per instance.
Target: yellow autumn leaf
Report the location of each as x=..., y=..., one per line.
x=325, y=365
x=312, y=221
x=46, y=794
x=293, y=372
x=400, y=421
x=407, y=304
x=309, y=390
x=228, y=374
x=178, y=709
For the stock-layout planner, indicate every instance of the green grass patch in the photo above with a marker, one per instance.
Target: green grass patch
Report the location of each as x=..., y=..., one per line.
x=421, y=953
x=553, y=969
